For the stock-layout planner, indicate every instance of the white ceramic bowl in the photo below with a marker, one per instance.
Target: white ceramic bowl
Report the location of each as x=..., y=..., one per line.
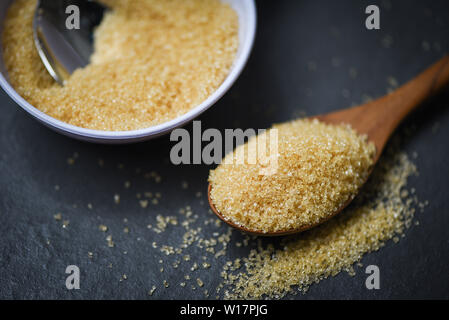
x=247, y=28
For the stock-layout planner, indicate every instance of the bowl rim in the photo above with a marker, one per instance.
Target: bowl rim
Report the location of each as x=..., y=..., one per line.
x=94, y=135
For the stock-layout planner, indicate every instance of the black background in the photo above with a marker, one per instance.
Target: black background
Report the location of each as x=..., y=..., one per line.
x=279, y=83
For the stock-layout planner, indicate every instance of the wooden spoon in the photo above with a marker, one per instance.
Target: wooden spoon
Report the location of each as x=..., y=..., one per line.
x=377, y=119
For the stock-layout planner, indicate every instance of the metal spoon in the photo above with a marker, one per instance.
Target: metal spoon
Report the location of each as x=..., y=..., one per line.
x=63, y=50
x=377, y=119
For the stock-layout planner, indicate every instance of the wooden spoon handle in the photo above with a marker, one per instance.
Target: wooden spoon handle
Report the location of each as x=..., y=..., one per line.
x=393, y=108
x=378, y=119
x=414, y=92
x=441, y=76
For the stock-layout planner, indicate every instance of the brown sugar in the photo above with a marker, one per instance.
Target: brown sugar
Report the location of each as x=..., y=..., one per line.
x=379, y=213
x=320, y=168
x=153, y=61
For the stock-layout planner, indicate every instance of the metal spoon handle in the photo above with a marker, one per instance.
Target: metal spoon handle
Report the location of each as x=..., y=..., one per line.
x=64, y=49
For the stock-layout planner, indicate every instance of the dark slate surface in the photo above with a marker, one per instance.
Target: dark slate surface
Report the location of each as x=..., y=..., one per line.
x=276, y=85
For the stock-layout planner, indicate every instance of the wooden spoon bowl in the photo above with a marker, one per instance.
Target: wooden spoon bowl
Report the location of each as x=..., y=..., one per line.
x=377, y=119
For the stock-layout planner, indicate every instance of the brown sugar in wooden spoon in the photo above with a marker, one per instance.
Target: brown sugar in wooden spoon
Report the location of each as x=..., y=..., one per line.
x=377, y=119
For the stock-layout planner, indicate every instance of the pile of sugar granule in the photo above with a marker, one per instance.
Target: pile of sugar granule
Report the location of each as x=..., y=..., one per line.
x=153, y=61
x=382, y=211
x=320, y=167
x=252, y=268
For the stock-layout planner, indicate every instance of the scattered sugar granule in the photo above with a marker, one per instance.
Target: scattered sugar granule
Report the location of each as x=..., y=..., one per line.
x=143, y=203
x=378, y=213
x=109, y=241
x=425, y=45
x=392, y=81
x=153, y=289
